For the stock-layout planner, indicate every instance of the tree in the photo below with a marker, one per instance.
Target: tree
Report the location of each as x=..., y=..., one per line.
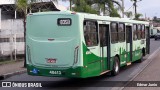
x=135, y=6
x=96, y=5
x=128, y=14
x=83, y=6
x=22, y=6
x=109, y=6
x=112, y=10
x=137, y=16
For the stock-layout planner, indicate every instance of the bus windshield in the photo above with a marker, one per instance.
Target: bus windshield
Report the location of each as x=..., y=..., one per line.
x=52, y=26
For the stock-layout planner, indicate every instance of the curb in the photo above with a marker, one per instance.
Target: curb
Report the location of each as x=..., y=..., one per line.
x=5, y=76
x=150, y=60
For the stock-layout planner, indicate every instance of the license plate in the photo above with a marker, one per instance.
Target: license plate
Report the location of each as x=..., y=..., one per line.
x=51, y=60
x=55, y=72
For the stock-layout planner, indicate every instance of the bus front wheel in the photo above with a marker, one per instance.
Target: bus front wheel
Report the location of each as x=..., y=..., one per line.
x=116, y=67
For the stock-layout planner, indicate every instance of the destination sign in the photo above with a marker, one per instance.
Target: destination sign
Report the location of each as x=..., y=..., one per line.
x=64, y=22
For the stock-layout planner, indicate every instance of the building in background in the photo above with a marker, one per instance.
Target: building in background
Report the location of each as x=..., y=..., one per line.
x=11, y=25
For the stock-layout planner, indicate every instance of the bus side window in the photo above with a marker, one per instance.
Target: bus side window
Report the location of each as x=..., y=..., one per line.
x=128, y=34
x=114, y=32
x=146, y=32
x=121, y=32
x=103, y=35
x=139, y=31
x=91, y=33
x=143, y=32
x=135, y=32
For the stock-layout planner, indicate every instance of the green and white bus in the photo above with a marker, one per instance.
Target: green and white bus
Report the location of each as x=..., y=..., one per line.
x=80, y=45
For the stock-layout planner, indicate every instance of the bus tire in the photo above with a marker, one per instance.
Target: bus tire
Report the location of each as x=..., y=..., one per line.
x=155, y=39
x=116, y=67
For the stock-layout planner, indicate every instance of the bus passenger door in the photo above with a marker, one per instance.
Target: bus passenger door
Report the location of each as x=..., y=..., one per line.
x=129, y=44
x=104, y=46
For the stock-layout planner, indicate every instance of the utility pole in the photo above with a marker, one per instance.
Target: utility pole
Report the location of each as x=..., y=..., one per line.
x=123, y=8
x=135, y=5
x=15, y=47
x=70, y=5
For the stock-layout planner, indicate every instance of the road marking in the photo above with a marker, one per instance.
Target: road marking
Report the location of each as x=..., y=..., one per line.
x=150, y=58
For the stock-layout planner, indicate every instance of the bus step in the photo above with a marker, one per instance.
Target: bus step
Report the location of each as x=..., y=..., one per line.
x=104, y=72
x=129, y=63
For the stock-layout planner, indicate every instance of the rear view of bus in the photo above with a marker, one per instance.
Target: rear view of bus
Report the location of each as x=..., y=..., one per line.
x=53, y=44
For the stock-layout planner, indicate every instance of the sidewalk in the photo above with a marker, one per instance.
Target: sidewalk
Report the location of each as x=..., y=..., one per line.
x=150, y=73
x=14, y=68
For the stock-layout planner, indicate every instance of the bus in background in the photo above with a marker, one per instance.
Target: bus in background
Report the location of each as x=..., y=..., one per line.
x=154, y=31
x=80, y=45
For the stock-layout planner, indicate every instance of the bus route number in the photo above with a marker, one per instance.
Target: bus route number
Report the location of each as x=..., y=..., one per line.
x=55, y=72
x=64, y=21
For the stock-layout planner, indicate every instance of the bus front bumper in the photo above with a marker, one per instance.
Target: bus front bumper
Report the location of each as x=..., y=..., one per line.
x=77, y=72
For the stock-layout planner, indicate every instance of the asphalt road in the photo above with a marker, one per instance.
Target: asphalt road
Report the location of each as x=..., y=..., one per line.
x=126, y=74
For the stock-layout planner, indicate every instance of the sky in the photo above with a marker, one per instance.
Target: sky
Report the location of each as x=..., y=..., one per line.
x=149, y=7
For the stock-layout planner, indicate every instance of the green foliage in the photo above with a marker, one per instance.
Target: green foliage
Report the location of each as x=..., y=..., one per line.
x=113, y=11
x=137, y=16
x=82, y=6
x=21, y=5
x=158, y=21
x=128, y=14
x=85, y=6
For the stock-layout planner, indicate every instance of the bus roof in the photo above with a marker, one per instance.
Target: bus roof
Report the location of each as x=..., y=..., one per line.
x=94, y=16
